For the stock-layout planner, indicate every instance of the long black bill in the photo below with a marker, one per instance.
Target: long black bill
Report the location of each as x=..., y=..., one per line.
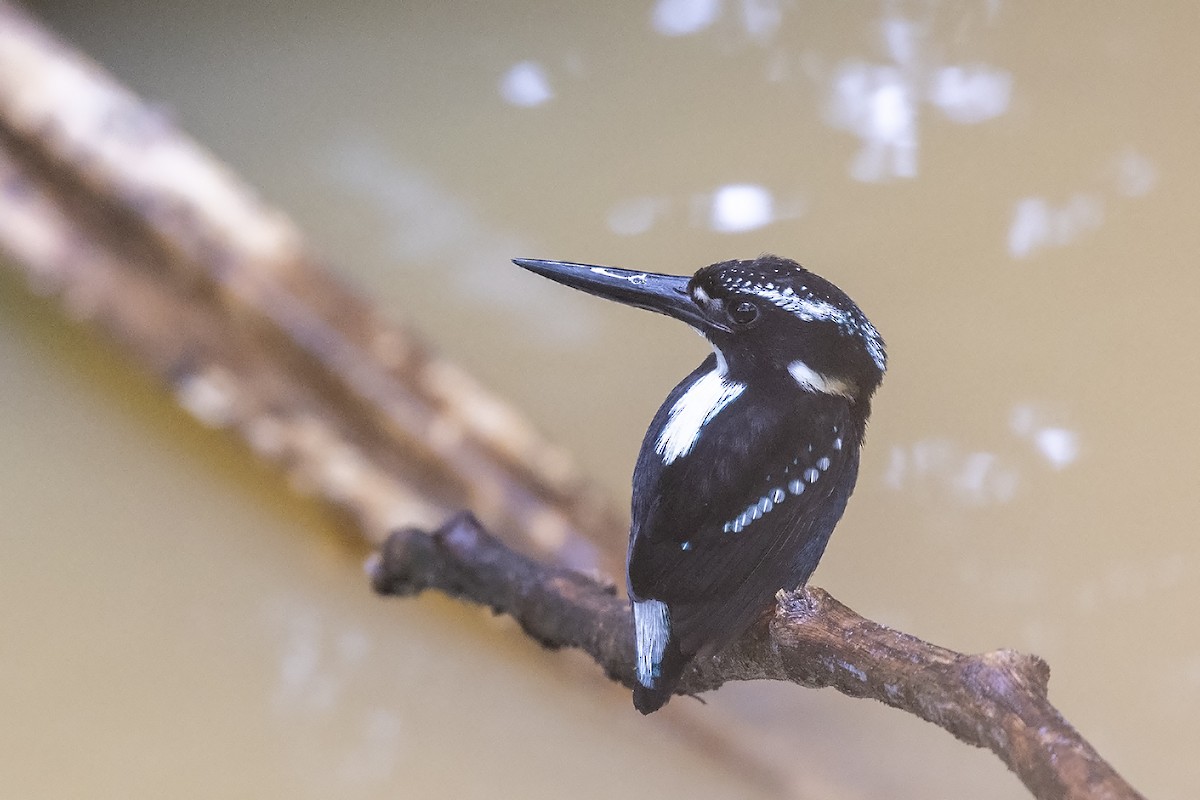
x=666, y=294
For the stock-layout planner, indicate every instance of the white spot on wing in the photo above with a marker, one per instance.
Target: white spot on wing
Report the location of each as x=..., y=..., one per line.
x=652, y=626
x=702, y=401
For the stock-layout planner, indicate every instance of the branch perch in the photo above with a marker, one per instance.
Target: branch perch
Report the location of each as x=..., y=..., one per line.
x=997, y=700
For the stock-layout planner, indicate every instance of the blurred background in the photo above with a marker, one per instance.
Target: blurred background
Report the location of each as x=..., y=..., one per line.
x=1007, y=190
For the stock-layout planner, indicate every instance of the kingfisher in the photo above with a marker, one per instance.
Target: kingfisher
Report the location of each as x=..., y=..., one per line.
x=749, y=463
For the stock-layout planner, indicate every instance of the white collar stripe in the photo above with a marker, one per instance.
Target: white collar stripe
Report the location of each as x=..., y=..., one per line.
x=812, y=381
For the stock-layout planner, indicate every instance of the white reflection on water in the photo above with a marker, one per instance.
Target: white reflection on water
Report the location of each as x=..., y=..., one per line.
x=374, y=758
x=758, y=19
x=733, y=208
x=875, y=103
x=1136, y=174
x=879, y=102
x=1057, y=444
x=321, y=663
x=314, y=667
x=637, y=215
x=970, y=94
x=1037, y=224
x=526, y=85
x=761, y=18
x=980, y=477
x=684, y=17
x=741, y=207
x=942, y=466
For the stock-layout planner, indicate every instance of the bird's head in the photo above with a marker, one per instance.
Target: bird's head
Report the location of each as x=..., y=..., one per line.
x=767, y=319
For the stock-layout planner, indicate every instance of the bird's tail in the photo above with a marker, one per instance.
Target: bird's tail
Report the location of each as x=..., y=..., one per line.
x=648, y=699
x=660, y=662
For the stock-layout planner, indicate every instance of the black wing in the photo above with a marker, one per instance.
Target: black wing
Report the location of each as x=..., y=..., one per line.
x=746, y=512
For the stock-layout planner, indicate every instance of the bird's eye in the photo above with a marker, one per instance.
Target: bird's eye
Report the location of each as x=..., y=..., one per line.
x=743, y=312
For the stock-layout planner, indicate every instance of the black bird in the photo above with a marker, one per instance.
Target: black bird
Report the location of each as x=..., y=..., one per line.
x=748, y=465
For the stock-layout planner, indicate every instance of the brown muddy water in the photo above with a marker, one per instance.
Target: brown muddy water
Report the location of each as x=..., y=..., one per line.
x=1008, y=189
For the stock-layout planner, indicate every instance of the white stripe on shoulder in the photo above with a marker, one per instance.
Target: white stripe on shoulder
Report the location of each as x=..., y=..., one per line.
x=694, y=409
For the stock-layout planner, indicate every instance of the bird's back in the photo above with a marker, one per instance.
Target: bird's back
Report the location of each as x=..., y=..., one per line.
x=745, y=511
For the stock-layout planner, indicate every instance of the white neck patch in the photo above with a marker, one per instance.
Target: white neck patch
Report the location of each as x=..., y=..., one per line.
x=694, y=409
x=812, y=381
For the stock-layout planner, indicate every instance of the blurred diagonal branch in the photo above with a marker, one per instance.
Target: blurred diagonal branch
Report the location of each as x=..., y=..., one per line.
x=995, y=700
x=133, y=228
x=140, y=232
x=106, y=206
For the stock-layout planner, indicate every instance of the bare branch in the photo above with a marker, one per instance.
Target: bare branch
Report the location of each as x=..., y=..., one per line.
x=995, y=700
